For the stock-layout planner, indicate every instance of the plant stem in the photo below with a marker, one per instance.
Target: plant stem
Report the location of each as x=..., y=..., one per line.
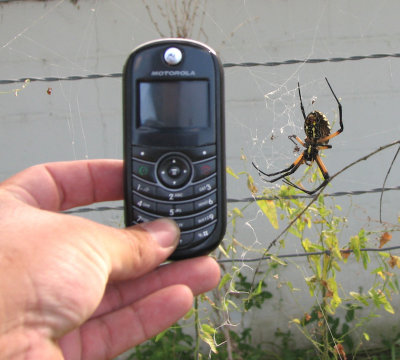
x=196, y=328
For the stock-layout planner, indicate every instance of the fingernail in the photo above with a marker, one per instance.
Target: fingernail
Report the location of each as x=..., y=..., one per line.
x=164, y=231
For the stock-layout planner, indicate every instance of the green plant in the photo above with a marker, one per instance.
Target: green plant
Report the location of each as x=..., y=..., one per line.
x=171, y=344
x=334, y=326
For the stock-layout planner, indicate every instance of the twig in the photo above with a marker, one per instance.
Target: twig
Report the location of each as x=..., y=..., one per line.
x=384, y=183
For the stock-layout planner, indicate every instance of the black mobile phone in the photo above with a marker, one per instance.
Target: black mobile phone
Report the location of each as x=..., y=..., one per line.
x=174, y=143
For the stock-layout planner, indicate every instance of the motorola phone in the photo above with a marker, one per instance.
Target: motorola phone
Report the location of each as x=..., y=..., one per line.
x=174, y=141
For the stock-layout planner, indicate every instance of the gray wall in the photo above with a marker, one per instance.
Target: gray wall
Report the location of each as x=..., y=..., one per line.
x=82, y=119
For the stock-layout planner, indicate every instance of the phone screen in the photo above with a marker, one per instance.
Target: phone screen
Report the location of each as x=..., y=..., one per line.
x=174, y=104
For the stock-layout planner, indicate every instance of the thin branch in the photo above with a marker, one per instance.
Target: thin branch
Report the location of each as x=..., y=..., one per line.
x=384, y=183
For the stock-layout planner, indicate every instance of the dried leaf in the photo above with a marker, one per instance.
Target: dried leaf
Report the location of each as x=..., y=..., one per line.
x=339, y=349
x=345, y=253
x=394, y=261
x=328, y=294
x=385, y=238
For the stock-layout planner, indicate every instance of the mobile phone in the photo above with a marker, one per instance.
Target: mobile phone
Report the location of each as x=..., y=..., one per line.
x=174, y=142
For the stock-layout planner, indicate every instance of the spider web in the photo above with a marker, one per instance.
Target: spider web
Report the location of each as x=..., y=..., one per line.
x=82, y=119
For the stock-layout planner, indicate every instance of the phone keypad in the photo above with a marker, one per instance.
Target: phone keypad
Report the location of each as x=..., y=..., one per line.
x=181, y=185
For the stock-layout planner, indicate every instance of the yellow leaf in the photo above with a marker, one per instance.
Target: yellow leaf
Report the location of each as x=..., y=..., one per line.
x=269, y=209
x=238, y=212
x=381, y=274
x=208, y=339
x=231, y=172
x=250, y=184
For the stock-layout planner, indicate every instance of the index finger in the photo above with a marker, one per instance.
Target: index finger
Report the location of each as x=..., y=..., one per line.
x=63, y=185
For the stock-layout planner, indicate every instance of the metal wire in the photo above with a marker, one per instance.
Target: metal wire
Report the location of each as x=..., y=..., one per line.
x=313, y=61
x=306, y=196
x=65, y=78
x=248, y=199
x=305, y=254
x=225, y=65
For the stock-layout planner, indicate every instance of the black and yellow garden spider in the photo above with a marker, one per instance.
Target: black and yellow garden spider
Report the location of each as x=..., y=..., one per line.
x=318, y=134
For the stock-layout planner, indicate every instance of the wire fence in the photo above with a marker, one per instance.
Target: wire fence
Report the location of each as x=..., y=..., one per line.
x=246, y=199
x=305, y=254
x=266, y=257
x=225, y=65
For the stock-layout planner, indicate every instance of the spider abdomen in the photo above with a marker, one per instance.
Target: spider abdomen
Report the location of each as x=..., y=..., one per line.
x=316, y=126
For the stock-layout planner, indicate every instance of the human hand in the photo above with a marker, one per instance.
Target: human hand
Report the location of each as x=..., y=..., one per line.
x=71, y=288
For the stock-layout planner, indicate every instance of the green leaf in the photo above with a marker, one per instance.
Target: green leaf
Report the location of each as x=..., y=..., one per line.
x=231, y=172
x=207, y=335
x=208, y=329
x=311, y=282
x=379, y=298
x=269, y=209
x=335, y=300
x=293, y=230
x=365, y=259
x=258, y=290
x=307, y=244
x=277, y=260
x=189, y=313
x=160, y=335
x=355, y=246
x=350, y=314
x=359, y=297
x=227, y=277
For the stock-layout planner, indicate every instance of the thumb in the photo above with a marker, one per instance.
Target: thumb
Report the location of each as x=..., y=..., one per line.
x=142, y=248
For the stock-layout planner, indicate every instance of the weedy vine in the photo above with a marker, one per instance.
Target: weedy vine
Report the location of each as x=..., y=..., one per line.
x=182, y=17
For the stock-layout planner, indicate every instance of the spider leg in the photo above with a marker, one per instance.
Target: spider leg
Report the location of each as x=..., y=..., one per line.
x=324, y=147
x=322, y=167
x=285, y=172
x=311, y=192
x=326, y=138
x=301, y=101
x=325, y=174
x=291, y=137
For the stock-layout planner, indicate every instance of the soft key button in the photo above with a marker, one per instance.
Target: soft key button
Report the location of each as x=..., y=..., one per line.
x=204, y=169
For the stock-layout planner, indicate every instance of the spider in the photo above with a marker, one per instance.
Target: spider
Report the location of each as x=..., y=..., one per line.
x=318, y=134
